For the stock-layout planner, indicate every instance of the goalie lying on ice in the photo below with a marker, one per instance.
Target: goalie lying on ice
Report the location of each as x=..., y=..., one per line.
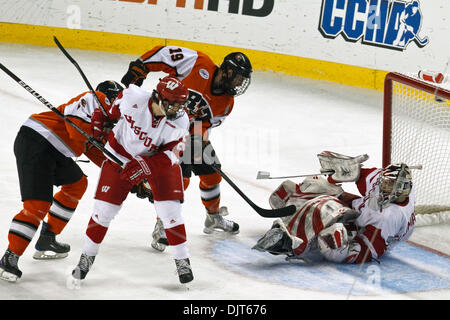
x=341, y=226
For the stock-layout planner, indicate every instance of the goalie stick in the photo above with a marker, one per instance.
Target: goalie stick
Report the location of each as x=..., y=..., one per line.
x=266, y=213
x=59, y=113
x=266, y=175
x=72, y=60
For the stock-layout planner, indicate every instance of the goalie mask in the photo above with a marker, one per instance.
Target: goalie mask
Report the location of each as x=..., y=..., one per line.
x=236, y=75
x=395, y=184
x=171, y=96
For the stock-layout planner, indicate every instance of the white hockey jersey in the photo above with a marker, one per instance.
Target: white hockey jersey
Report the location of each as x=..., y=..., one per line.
x=139, y=132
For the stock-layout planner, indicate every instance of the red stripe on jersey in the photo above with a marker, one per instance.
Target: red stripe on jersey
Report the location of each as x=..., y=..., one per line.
x=361, y=183
x=175, y=146
x=316, y=218
x=176, y=235
x=117, y=147
x=362, y=254
x=170, y=125
x=95, y=231
x=300, y=232
x=374, y=236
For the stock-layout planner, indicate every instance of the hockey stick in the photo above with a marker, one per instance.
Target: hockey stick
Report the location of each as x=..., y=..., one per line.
x=60, y=114
x=266, y=213
x=266, y=175
x=72, y=60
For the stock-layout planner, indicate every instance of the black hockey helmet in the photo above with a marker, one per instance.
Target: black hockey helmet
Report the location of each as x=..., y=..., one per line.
x=236, y=69
x=110, y=88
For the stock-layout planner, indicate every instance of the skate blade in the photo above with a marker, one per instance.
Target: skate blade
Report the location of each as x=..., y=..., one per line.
x=218, y=231
x=186, y=286
x=73, y=283
x=49, y=255
x=158, y=246
x=8, y=276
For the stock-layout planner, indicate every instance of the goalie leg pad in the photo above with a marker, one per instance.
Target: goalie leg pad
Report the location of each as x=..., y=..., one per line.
x=281, y=195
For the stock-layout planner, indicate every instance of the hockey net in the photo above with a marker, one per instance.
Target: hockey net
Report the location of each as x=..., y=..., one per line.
x=416, y=130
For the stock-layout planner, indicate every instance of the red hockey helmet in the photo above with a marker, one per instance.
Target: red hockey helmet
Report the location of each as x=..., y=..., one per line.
x=172, y=95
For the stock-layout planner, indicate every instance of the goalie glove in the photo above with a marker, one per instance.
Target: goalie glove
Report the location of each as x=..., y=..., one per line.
x=343, y=168
x=136, y=74
x=333, y=237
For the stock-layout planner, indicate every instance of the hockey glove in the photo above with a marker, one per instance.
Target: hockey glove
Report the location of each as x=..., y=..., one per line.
x=135, y=171
x=98, y=121
x=101, y=124
x=136, y=74
x=143, y=191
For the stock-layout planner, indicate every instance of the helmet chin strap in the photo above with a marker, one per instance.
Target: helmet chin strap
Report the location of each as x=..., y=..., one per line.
x=219, y=87
x=158, y=109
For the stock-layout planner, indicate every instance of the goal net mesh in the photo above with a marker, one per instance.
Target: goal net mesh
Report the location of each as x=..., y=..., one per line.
x=419, y=117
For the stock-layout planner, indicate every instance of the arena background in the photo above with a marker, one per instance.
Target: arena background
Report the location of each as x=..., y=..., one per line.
x=282, y=36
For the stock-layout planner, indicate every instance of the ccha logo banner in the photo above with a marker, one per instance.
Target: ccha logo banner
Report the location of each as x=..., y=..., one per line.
x=390, y=24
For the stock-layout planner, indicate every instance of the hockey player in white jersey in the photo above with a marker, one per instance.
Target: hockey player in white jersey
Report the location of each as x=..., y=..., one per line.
x=148, y=138
x=343, y=227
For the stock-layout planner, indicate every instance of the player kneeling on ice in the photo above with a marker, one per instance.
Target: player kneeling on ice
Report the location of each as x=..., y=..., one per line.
x=343, y=227
x=149, y=136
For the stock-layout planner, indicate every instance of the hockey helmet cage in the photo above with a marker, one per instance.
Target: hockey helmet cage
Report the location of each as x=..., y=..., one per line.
x=172, y=95
x=110, y=88
x=238, y=80
x=395, y=183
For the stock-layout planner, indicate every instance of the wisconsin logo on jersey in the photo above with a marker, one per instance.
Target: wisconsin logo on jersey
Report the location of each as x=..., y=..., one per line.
x=391, y=24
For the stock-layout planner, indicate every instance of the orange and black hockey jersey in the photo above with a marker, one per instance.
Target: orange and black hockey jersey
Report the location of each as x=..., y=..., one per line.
x=62, y=135
x=196, y=70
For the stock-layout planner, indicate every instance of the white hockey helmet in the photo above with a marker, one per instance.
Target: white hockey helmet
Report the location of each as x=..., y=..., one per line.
x=395, y=184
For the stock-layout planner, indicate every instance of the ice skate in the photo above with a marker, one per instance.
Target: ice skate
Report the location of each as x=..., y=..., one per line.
x=9, y=270
x=216, y=221
x=276, y=241
x=48, y=248
x=184, y=270
x=159, y=237
x=83, y=266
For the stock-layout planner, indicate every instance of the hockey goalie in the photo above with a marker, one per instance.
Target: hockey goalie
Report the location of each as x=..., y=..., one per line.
x=339, y=226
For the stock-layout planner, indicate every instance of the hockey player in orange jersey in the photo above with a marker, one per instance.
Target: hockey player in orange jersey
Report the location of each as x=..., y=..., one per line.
x=212, y=90
x=44, y=148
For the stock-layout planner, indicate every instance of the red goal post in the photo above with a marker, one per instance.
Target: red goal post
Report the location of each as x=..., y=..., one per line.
x=416, y=130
